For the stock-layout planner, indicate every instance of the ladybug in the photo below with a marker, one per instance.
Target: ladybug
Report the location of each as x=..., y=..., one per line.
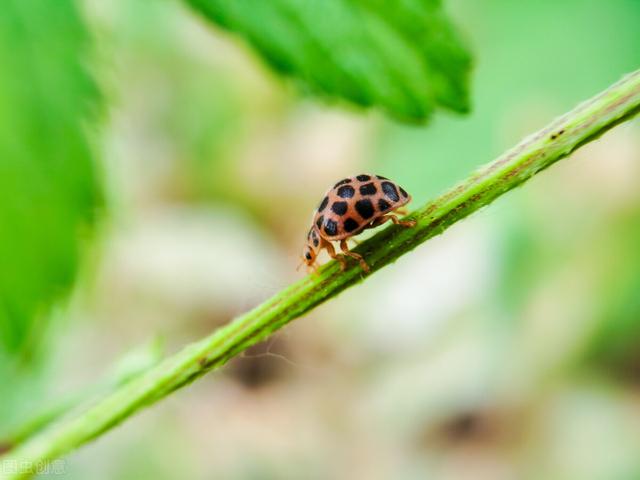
x=349, y=207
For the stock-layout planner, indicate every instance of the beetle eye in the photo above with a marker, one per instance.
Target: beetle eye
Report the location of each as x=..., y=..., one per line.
x=307, y=255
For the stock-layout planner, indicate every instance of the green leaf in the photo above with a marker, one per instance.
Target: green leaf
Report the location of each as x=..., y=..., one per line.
x=48, y=184
x=402, y=56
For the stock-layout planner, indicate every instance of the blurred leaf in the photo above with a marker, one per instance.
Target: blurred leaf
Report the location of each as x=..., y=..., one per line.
x=518, y=84
x=614, y=344
x=402, y=56
x=130, y=366
x=135, y=362
x=48, y=191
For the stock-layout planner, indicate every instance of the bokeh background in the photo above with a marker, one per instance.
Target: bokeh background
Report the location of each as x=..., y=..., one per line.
x=507, y=348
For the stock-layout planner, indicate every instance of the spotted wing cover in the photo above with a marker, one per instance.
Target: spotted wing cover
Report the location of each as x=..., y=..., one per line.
x=353, y=203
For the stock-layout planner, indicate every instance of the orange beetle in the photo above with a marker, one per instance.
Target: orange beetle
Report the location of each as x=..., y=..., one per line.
x=349, y=207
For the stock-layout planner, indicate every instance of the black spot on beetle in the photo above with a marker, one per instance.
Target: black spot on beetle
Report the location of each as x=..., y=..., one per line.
x=368, y=189
x=390, y=191
x=319, y=221
x=331, y=228
x=403, y=192
x=350, y=225
x=365, y=208
x=363, y=178
x=339, y=208
x=307, y=256
x=316, y=242
x=346, y=191
x=323, y=204
x=380, y=177
x=383, y=205
x=342, y=182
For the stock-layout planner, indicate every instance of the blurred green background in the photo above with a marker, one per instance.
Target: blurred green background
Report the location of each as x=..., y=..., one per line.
x=506, y=348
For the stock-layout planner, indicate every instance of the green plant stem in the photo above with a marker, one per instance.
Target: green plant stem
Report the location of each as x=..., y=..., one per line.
x=564, y=135
x=131, y=365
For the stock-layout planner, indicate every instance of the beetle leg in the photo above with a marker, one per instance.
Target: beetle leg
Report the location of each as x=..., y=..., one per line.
x=332, y=253
x=379, y=221
x=404, y=223
x=394, y=219
x=345, y=249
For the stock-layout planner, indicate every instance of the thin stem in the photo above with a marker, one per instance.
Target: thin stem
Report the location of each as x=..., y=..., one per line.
x=564, y=135
x=131, y=365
